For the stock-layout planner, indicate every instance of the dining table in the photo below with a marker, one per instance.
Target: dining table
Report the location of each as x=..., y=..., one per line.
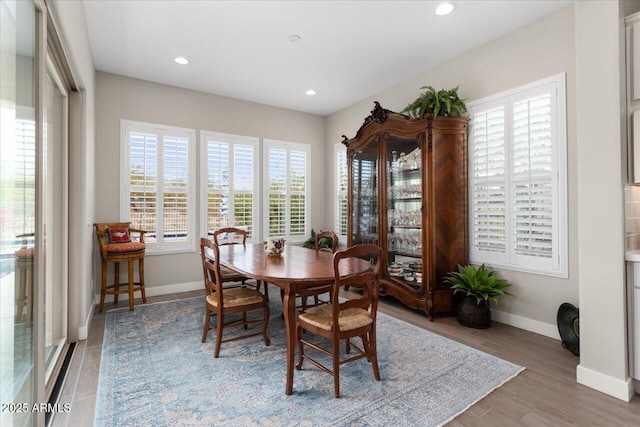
x=295, y=269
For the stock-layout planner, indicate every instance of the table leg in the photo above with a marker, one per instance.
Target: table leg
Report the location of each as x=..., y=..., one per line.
x=289, y=307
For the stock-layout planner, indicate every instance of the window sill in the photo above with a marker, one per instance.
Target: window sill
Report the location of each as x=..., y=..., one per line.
x=521, y=269
x=169, y=252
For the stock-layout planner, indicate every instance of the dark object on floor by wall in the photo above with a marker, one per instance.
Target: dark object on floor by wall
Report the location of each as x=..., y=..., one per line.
x=569, y=327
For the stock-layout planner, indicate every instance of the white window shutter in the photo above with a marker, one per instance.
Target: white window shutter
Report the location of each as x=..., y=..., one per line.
x=298, y=186
x=143, y=182
x=534, y=192
x=217, y=185
x=488, y=172
x=517, y=176
x=341, y=203
x=243, y=188
x=158, y=174
x=229, y=169
x=25, y=177
x=176, y=184
x=277, y=197
x=286, y=166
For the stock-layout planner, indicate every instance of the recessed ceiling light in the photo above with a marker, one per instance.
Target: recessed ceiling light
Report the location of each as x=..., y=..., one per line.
x=444, y=8
x=181, y=60
x=294, y=38
x=310, y=92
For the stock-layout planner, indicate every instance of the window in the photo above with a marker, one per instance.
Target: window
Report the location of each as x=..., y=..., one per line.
x=158, y=175
x=286, y=190
x=341, y=207
x=21, y=195
x=517, y=179
x=229, y=182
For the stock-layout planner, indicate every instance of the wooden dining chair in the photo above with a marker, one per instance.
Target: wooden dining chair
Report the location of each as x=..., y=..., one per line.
x=234, y=236
x=222, y=302
x=315, y=292
x=346, y=319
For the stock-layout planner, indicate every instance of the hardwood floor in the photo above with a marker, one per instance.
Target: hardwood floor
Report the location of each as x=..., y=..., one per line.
x=545, y=394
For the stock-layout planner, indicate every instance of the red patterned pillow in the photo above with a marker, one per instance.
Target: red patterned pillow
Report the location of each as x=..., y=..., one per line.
x=119, y=235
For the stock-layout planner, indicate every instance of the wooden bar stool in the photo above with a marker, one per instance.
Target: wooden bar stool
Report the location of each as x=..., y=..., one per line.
x=24, y=281
x=116, y=246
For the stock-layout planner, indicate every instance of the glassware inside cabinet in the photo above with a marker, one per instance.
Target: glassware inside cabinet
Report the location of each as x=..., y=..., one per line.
x=365, y=196
x=404, y=211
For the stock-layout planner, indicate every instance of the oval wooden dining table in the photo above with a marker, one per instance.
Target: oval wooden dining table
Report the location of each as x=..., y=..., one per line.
x=295, y=269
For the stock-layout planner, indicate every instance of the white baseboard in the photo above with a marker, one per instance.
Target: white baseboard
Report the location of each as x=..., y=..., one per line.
x=83, y=331
x=156, y=290
x=620, y=389
x=536, y=326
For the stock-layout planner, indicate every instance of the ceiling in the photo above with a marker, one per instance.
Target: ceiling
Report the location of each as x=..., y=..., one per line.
x=348, y=50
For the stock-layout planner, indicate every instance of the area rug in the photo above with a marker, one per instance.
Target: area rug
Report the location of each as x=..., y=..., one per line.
x=155, y=371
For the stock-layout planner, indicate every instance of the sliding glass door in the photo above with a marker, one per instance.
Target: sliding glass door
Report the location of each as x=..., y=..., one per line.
x=54, y=170
x=18, y=163
x=33, y=213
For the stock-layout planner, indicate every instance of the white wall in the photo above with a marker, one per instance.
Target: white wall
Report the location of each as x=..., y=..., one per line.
x=120, y=97
x=541, y=49
x=603, y=315
x=73, y=32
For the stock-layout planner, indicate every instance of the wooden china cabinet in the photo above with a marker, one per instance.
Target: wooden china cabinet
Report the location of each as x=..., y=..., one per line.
x=407, y=193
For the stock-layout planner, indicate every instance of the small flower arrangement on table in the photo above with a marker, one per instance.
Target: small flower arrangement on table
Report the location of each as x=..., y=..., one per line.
x=274, y=246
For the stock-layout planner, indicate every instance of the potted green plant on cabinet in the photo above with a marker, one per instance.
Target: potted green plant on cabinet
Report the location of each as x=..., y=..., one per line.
x=444, y=102
x=479, y=286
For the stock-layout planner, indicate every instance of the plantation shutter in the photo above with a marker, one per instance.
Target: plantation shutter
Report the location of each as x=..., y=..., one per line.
x=217, y=185
x=157, y=177
x=243, y=163
x=22, y=193
x=517, y=179
x=175, y=194
x=286, y=166
x=342, y=211
x=298, y=186
x=229, y=170
x=488, y=171
x=533, y=186
x=277, y=168
x=176, y=181
x=143, y=181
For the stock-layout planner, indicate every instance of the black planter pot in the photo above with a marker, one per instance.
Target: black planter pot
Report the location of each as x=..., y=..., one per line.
x=473, y=315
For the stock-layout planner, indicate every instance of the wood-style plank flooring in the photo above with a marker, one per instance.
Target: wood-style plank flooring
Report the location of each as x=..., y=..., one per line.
x=545, y=394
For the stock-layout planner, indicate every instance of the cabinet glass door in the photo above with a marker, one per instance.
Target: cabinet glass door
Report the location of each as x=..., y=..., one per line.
x=404, y=210
x=364, y=215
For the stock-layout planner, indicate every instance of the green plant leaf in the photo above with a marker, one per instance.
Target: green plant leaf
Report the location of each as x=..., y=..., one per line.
x=478, y=282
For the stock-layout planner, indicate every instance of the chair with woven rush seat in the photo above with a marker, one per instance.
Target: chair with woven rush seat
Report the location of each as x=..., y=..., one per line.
x=116, y=246
x=234, y=236
x=224, y=301
x=315, y=292
x=343, y=320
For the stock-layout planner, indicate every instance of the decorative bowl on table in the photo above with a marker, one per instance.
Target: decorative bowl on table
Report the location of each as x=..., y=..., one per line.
x=274, y=247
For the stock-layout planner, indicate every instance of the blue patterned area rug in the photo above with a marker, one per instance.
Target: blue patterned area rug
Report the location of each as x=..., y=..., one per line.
x=155, y=372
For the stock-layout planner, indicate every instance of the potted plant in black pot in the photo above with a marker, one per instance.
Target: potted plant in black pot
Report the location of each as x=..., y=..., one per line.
x=479, y=286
